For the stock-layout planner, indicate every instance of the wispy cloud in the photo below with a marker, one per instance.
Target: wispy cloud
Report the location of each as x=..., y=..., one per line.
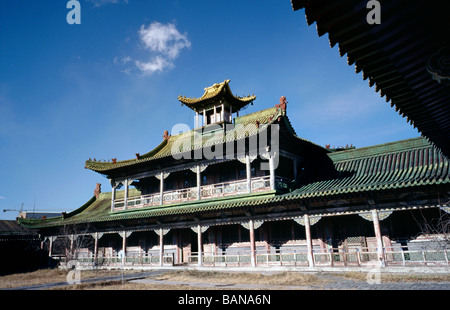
x=122, y=60
x=157, y=63
x=98, y=3
x=164, y=39
x=163, y=42
x=343, y=107
x=2, y=197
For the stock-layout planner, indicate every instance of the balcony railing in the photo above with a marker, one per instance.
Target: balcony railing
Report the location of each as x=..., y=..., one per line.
x=258, y=184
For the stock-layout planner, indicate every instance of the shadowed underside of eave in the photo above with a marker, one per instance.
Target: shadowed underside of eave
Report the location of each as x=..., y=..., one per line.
x=394, y=55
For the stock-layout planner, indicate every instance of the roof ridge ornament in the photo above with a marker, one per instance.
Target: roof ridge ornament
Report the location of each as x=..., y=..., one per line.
x=215, y=86
x=282, y=104
x=98, y=190
x=166, y=135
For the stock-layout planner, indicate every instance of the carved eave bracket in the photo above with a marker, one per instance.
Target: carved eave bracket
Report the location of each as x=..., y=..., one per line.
x=439, y=66
x=381, y=215
x=312, y=220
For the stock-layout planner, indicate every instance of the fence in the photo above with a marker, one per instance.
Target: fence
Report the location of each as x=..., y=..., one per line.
x=146, y=259
x=243, y=258
x=358, y=257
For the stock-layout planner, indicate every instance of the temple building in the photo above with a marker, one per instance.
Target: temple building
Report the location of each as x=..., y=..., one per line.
x=247, y=190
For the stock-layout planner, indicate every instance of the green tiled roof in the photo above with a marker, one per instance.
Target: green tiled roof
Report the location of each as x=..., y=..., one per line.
x=402, y=164
x=407, y=163
x=10, y=228
x=168, y=147
x=99, y=210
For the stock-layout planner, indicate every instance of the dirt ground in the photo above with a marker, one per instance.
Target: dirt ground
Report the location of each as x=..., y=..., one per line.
x=211, y=280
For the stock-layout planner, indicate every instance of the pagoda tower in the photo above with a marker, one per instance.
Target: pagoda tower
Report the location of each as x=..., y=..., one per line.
x=217, y=105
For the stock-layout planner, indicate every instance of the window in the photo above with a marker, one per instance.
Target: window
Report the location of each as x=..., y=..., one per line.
x=169, y=185
x=242, y=173
x=187, y=182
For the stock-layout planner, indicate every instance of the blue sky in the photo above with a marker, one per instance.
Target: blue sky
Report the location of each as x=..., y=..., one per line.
x=107, y=88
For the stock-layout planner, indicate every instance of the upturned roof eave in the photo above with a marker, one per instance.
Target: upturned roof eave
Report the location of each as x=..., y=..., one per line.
x=108, y=168
x=213, y=93
x=83, y=215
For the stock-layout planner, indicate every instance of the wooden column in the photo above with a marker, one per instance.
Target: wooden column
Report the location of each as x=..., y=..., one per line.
x=309, y=241
x=96, y=237
x=161, y=188
x=272, y=172
x=196, y=119
x=125, y=198
x=161, y=247
x=249, y=173
x=252, y=242
x=50, y=246
x=95, y=248
x=295, y=168
x=376, y=227
x=200, y=245
x=71, y=237
x=181, y=256
x=124, y=234
x=113, y=195
x=204, y=117
x=199, y=183
x=124, y=246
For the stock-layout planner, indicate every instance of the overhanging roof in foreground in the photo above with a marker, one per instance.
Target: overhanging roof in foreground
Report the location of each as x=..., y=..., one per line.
x=402, y=56
x=412, y=164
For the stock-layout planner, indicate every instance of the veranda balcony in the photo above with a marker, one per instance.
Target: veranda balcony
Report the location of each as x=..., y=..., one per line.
x=236, y=187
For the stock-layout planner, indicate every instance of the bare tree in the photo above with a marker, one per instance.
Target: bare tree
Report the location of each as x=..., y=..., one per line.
x=72, y=240
x=437, y=229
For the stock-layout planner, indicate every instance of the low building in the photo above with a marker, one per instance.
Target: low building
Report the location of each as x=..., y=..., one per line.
x=38, y=215
x=246, y=190
x=19, y=248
